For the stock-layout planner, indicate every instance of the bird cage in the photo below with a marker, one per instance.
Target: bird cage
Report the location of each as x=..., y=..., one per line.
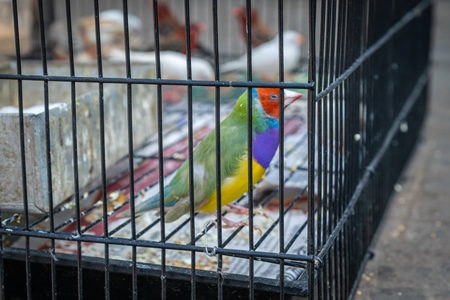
x=112, y=108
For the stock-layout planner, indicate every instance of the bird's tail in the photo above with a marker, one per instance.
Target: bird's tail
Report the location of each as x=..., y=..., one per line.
x=144, y=206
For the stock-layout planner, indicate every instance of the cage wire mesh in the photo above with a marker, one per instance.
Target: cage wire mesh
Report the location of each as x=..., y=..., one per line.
x=103, y=101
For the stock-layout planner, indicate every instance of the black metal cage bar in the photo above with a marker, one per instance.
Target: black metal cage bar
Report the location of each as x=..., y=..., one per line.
x=90, y=135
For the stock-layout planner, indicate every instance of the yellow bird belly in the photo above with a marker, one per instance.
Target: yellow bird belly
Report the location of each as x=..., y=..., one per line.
x=234, y=187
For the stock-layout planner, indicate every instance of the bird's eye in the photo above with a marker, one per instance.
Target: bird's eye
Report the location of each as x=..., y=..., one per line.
x=273, y=97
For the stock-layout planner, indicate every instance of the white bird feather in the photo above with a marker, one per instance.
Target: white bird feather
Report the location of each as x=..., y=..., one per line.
x=265, y=57
x=173, y=64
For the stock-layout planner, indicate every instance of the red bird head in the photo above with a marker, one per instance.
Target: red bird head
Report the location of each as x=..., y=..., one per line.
x=241, y=14
x=164, y=12
x=173, y=32
x=261, y=33
x=270, y=99
x=195, y=30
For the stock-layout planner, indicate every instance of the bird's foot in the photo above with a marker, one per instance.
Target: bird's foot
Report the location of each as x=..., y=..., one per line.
x=239, y=210
x=227, y=223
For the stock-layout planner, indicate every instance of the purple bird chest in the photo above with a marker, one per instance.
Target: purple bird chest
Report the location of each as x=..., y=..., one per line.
x=265, y=145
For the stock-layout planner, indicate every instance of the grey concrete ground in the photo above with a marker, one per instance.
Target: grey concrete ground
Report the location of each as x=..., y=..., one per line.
x=412, y=255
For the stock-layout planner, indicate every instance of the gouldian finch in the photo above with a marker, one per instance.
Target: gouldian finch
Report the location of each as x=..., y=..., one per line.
x=265, y=56
x=233, y=160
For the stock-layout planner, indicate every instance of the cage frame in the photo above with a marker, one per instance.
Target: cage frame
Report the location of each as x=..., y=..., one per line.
x=316, y=262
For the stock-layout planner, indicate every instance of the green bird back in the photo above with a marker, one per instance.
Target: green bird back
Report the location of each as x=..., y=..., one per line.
x=233, y=148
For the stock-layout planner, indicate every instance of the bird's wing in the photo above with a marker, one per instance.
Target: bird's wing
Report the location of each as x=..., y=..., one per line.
x=233, y=149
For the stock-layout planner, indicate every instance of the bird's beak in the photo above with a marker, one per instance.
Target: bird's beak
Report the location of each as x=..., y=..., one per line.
x=300, y=39
x=290, y=97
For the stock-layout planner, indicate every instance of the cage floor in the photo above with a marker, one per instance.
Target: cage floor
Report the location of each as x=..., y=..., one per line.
x=148, y=227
